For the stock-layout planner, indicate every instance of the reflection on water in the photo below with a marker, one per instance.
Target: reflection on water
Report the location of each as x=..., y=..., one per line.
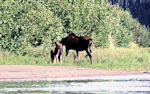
x=139, y=84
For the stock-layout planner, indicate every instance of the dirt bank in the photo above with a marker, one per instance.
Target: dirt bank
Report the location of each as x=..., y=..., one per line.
x=46, y=72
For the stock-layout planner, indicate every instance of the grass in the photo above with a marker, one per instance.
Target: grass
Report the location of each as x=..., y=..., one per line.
x=117, y=59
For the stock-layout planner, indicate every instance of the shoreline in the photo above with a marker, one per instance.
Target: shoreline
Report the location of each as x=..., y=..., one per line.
x=31, y=72
x=112, y=78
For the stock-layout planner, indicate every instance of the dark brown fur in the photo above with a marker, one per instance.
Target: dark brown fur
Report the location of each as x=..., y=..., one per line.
x=56, y=53
x=78, y=43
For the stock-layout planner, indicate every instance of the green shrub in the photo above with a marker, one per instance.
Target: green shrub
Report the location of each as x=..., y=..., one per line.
x=28, y=23
x=98, y=20
x=30, y=27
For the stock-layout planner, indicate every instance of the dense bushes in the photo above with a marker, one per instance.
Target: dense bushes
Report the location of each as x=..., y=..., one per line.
x=27, y=24
x=31, y=26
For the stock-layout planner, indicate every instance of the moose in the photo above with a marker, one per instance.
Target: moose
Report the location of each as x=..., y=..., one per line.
x=77, y=43
x=56, y=53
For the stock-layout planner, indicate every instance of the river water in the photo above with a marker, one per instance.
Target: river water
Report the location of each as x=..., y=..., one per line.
x=132, y=84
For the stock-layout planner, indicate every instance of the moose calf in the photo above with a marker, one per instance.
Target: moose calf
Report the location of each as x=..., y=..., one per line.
x=56, y=53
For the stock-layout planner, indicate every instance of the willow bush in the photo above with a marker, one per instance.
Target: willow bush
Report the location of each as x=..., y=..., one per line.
x=99, y=20
x=30, y=27
x=27, y=25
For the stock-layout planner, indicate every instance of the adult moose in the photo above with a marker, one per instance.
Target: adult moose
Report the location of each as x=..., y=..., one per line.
x=78, y=43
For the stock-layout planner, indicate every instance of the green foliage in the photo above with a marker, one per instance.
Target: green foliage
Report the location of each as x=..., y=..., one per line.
x=99, y=20
x=140, y=37
x=27, y=23
x=30, y=27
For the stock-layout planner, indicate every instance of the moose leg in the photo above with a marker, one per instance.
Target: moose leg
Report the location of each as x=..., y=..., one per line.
x=55, y=59
x=90, y=49
x=52, y=60
x=60, y=57
x=89, y=54
x=89, y=46
x=77, y=54
x=67, y=51
x=52, y=56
